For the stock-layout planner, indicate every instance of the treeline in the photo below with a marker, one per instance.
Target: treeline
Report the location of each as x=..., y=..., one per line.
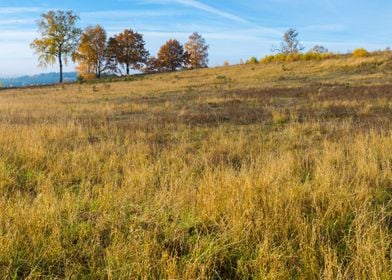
x=291, y=50
x=96, y=54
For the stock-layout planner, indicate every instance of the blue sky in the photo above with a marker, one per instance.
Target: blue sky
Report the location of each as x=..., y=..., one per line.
x=233, y=29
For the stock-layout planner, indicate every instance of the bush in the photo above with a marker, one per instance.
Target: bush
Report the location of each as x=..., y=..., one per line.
x=80, y=79
x=274, y=58
x=252, y=60
x=298, y=57
x=293, y=57
x=361, y=52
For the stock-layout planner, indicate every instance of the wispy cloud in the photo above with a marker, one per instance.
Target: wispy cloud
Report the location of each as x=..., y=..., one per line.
x=18, y=10
x=15, y=21
x=324, y=27
x=13, y=35
x=212, y=10
x=128, y=14
x=209, y=35
x=203, y=7
x=247, y=25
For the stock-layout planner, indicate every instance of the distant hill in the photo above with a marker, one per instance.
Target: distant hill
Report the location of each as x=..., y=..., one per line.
x=41, y=79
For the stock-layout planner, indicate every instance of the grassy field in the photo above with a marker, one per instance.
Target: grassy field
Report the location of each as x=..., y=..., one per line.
x=269, y=171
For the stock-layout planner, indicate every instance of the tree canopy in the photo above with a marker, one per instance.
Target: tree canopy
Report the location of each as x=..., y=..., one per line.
x=128, y=49
x=91, y=53
x=59, y=38
x=197, y=50
x=290, y=44
x=319, y=49
x=172, y=56
x=95, y=54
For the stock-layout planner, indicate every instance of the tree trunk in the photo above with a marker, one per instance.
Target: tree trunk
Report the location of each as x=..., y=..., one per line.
x=98, y=71
x=127, y=69
x=61, y=68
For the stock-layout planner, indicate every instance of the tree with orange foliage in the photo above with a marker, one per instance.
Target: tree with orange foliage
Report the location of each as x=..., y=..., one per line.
x=91, y=53
x=128, y=50
x=172, y=57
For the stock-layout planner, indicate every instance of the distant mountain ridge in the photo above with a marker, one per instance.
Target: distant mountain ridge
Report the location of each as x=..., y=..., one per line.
x=40, y=79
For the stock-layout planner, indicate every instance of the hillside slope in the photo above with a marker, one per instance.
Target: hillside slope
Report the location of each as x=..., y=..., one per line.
x=273, y=171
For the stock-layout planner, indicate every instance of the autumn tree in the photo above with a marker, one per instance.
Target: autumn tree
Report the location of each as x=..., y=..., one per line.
x=197, y=50
x=91, y=53
x=111, y=56
x=290, y=44
x=128, y=50
x=152, y=65
x=172, y=56
x=59, y=38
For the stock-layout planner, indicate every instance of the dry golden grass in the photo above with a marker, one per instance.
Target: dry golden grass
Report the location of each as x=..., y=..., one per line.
x=254, y=171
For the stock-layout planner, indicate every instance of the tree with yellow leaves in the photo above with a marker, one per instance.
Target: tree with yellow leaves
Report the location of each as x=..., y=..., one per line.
x=197, y=49
x=59, y=38
x=91, y=53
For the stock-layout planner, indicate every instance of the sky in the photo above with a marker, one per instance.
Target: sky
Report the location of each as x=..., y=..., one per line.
x=233, y=29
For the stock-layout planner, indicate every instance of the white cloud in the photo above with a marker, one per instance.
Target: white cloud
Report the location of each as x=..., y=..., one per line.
x=325, y=27
x=212, y=10
x=17, y=35
x=127, y=14
x=15, y=21
x=18, y=10
x=203, y=7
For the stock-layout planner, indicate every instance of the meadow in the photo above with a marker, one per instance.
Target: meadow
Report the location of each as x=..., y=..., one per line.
x=264, y=171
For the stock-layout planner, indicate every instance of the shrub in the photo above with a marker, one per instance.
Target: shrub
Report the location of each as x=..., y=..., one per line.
x=80, y=79
x=361, y=52
x=252, y=60
x=267, y=59
x=274, y=58
x=328, y=55
x=292, y=57
x=297, y=57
